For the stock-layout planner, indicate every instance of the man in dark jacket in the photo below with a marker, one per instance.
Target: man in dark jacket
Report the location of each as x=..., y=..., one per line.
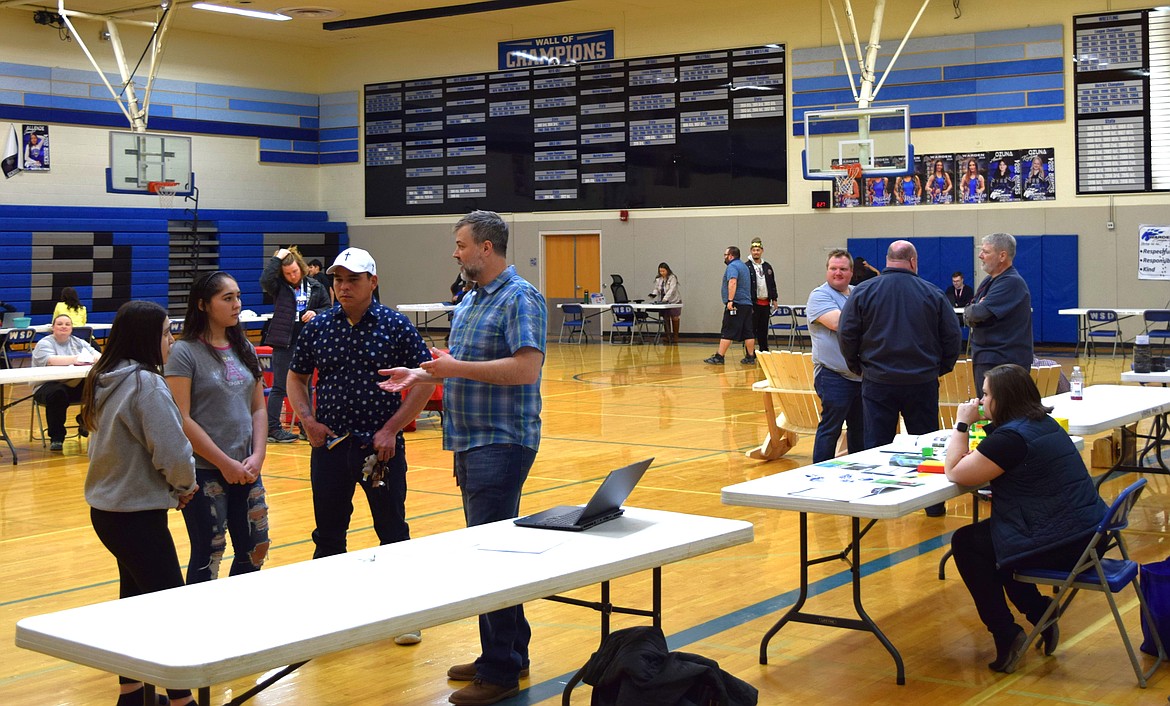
x=763, y=292
x=1000, y=315
x=900, y=334
x=296, y=298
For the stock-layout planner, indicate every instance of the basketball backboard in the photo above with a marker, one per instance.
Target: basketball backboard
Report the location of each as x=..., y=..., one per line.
x=139, y=158
x=876, y=138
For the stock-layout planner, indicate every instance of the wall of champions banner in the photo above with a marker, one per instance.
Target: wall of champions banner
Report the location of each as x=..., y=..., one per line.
x=700, y=129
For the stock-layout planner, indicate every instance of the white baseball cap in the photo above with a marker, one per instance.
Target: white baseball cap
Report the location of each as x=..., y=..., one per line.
x=354, y=260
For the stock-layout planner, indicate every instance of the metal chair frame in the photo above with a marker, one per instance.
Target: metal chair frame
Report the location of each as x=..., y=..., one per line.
x=19, y=337
x=1094, y=573
x=574, y=321
x=1158, y=316
x=799, y=330
x=781, y=321
x=623, y=318
x=1102, y=323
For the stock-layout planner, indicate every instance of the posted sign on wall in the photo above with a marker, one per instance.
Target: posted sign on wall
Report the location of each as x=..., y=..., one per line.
x=557, y=50
x=1154, y=252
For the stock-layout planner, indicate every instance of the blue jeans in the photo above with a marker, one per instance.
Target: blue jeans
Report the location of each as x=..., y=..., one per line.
x=840, y=402
x=220, y=509
x=281, y=359
x=918, y=405
x=333, y=473
x=490, y=479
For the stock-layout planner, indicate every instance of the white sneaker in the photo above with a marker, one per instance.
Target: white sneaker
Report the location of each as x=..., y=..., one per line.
x=409, y=638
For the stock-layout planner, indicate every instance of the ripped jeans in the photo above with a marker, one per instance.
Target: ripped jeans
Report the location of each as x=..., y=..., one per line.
x=221, y=509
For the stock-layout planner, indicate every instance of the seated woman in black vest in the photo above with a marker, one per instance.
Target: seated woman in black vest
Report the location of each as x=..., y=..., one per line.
x=1046, y=507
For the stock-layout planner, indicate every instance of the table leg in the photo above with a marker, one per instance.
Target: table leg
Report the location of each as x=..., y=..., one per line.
x=1156, y=444
x=852, y=556
x=3, y=429
x=942, y=563
x=605, y=608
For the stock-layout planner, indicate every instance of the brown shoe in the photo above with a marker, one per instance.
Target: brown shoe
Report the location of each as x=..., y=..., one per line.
x=481, y=693
x=466, y=672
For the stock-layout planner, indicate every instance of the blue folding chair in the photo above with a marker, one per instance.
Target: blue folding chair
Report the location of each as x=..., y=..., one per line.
x=573, y=322
x=1102, y=323
x=1094, y=573
x=1158, y=316
x=19, y=346
x=781, y=323
x=799, y=330
x=624, y=320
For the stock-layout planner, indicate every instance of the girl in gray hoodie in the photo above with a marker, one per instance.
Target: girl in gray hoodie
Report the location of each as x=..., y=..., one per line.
x=140, y=462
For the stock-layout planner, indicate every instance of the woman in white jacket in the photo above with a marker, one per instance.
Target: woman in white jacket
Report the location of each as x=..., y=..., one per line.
x=666, y=291
x=140, y=462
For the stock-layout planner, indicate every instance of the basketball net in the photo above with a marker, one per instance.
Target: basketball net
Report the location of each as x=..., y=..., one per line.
x=166, y=191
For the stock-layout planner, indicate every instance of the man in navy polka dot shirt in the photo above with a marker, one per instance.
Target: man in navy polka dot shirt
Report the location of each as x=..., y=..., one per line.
x=356, y=428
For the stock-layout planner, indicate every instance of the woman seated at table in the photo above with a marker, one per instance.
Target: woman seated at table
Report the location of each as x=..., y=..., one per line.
x=1046, y=507
x=61, y=348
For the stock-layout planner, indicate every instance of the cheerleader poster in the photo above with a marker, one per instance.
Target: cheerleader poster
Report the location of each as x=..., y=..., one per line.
x=938, y=187
x=35, y=148
x=1038, y=174
x=1003, y=176
x=971, y=177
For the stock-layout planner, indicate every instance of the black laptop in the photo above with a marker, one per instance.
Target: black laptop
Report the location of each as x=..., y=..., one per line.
x=605, y=505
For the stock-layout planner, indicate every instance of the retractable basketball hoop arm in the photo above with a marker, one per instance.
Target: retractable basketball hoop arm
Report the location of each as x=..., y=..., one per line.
x=127, y=100
x=867, y=62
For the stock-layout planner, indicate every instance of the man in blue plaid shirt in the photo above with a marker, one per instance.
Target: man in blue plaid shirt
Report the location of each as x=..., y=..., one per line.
x=491, y=404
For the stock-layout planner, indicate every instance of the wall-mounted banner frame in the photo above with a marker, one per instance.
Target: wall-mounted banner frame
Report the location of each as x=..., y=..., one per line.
x=1153, y=252
x=556, y=50
x=705, y=128
x=1122, y=101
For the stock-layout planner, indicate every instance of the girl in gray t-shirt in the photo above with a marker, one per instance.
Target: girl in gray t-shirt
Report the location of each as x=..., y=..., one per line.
x=215, y=377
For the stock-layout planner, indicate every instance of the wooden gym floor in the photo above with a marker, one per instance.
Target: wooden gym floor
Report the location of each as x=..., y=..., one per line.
x=605, y=406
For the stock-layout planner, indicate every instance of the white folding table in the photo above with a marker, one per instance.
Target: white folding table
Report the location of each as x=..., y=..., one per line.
x=1107, y=407
x=599, y=309
x=315, y=608
x=797, y=490
x=1162, y=378
x=426, y=314
x=1083, y=321
x=36, y=376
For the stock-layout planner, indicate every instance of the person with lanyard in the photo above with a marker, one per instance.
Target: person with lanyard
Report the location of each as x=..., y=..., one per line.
x=296, y=299
x=355, y=428
x=491, y=421
x=61, y=348
x=737, y=305
x=763, y=292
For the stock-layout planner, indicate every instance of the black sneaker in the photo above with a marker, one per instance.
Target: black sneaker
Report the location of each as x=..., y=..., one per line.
x=81, y=430
x=56, y=446
x=715, y=360
x=280, y=436
x=748, y=360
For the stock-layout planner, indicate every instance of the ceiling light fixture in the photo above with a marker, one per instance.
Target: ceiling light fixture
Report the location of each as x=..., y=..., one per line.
x=257, y=14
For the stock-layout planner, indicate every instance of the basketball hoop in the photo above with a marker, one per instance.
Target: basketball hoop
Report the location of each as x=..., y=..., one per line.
x=166, y=191
x=848, y=185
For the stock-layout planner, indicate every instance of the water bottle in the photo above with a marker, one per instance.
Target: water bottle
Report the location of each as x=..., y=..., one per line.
x=1077, y=381
x=1141, y=355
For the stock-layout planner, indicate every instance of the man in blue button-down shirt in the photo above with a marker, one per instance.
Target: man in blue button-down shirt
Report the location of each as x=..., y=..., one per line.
x=491, y=404
x=347, y=345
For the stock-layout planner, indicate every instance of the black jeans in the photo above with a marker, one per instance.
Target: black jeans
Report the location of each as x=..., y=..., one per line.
x=334, y=473
x=988, y=583
x=56, y=397
x=761, y=319
x=281, y=359
x=918, y=405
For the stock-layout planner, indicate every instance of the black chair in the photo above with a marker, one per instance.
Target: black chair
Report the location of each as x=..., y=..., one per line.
x=617, y=291
x=1094, y=573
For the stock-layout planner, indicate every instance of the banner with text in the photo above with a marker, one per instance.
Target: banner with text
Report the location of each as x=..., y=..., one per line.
x=1153, y=252
x=556, y=50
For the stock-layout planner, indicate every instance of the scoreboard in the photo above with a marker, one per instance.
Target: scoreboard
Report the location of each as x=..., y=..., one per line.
x=687, y=130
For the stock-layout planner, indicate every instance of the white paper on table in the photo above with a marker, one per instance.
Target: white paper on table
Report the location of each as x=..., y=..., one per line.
x=844, y=492
x=522, y=542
